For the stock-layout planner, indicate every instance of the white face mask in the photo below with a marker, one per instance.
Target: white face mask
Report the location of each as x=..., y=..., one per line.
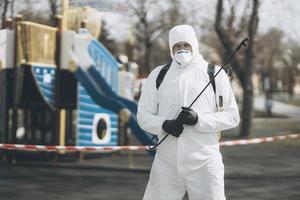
x=183, y=57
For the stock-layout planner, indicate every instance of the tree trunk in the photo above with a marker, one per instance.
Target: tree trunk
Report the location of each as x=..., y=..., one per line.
x=247, y=112
x=146, y=63
x=5, y=7
x=53, y=8
x=243, y=68
x=247, y=107
x=291, y=84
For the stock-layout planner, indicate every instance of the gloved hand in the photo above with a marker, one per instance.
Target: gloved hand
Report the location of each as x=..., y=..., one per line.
x=188, y=116
x=173, y=127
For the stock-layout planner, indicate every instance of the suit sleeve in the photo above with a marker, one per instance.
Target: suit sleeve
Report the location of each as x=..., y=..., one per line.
x=147, y=114
x=226, y=119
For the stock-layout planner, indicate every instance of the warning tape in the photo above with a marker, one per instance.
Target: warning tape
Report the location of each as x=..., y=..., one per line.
x=259, y=140
x=28, y=147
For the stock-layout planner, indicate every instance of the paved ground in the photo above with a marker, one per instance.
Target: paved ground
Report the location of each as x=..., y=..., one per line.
x=278, y=107
x=264, y=171
x=28, y=183
x=257, y=172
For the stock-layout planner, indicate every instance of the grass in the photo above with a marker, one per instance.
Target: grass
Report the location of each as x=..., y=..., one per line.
x=266, y=127
x=263, y=114
x=284, y=98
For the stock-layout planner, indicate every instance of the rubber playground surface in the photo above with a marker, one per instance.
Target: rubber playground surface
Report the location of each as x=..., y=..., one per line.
x=258, y=171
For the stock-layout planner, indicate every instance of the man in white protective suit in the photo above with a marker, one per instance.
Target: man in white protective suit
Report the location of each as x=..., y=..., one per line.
x=189, y=159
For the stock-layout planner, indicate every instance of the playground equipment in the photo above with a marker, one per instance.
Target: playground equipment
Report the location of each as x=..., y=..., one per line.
x=44, y=102
x=29, y=76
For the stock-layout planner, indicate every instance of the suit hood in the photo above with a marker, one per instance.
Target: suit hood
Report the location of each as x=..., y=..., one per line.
x=183, y=33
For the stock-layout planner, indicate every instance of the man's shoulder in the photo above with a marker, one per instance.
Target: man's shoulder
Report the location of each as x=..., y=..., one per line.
x=156, y=70
x=222, y=73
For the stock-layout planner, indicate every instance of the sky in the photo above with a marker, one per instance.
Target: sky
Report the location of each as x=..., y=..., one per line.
x=272, y=13
x=284, y=14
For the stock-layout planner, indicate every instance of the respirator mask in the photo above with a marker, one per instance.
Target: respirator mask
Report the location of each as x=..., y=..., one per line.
x=183, y=57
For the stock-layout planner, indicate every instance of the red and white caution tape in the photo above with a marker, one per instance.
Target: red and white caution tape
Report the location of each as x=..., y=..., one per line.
x=26, y=147
x=259, y=140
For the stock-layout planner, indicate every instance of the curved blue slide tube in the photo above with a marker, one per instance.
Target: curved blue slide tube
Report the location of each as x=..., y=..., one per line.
x=99, y=79
x=103, y=95
x=96, y=93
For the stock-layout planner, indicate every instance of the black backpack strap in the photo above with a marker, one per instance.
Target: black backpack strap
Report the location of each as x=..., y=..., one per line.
x=210, y=71
x=211, y=74
x=161, y=75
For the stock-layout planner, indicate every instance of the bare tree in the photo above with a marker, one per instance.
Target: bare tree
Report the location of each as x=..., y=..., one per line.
x=108, y=42
x=145, y=31
x=291, y=59
x=243, y=65
x=54, y=7
x=29, y=13
x=153, y=20
x=270, y=48
x=4, y=6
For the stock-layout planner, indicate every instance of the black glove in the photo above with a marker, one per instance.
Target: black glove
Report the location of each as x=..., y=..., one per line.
x=173, y=127
x=188, y=116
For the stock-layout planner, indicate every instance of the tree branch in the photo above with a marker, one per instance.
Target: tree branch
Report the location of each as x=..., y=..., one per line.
x=252, y=29
x=6, y=2
x=225, y=40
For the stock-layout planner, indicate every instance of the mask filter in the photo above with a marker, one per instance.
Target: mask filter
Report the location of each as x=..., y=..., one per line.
x=183, y=57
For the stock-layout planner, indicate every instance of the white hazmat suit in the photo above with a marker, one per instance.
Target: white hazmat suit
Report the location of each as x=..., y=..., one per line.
x=192, y=162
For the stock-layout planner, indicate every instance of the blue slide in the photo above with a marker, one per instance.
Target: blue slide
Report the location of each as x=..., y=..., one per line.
x=103, y=95
x=98, y=82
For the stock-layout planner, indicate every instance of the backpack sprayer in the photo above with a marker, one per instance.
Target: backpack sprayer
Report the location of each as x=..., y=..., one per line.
x=243, y=43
